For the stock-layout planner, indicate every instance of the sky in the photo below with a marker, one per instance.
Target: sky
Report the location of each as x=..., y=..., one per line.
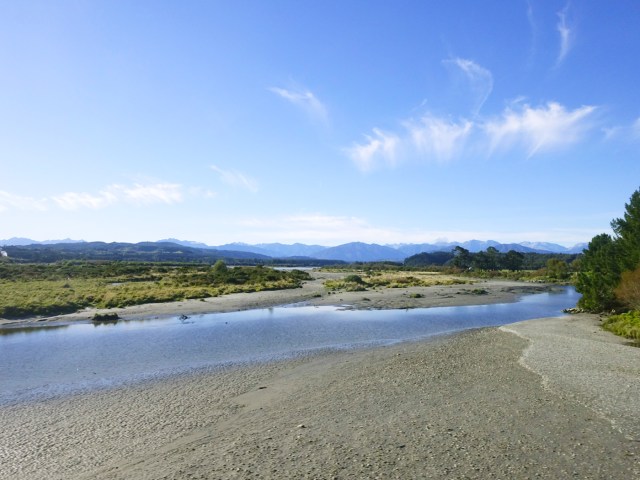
x=320, y=122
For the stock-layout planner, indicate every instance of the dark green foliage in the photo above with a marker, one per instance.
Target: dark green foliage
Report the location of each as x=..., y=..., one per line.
x=599, y=275
x=461, y=258
x=106, y=317
x=354, y=279
x=492, y=260
x=513, y=260
x=607, y=259
x=428, y=259
x=557, y=269
x=627, y=230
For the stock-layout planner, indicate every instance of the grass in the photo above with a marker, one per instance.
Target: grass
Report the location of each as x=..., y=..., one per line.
x=65, y=287
x=626, y=325
x=390, y=279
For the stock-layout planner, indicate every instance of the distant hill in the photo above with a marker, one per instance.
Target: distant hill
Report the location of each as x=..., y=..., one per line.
x=28, y=241
x=144, y=252
x=297, y=252
x=361, y=252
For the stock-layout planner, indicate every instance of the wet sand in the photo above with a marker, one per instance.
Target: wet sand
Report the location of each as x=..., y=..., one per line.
x=522, y=401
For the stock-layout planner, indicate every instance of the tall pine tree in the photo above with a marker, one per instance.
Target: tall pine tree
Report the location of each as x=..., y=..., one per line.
x=607, y=258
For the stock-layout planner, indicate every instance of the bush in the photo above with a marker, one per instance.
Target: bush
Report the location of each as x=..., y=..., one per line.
x=106, y=317
x=625, y=324
x=628, y=291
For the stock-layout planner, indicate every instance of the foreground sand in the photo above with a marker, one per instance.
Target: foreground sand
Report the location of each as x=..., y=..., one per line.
x=556, y=398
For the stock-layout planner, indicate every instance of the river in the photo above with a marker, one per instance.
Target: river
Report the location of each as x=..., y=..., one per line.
x=39, y=363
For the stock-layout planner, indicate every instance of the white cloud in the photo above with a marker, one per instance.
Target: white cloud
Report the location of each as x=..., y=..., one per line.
x=480, y=80
x=168, y=193
x=539, y=129
x=624, y=132
x=136, y=194
x=75, y=200
x=566, y=35
x=379, y=147
x=438, y=138
x=305, y=100
x=236, y=179
x=9, y=200
x=536, y=129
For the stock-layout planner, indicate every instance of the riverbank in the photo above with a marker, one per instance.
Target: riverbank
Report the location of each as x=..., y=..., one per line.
x=482, y=404
x=477, y=292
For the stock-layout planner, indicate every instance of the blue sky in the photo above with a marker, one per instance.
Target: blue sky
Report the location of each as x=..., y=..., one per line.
x=319, y=122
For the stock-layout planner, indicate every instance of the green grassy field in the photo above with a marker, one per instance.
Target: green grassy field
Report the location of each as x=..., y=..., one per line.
x=65, y=287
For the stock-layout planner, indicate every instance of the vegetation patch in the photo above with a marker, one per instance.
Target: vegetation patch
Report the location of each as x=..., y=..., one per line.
x=370, y=279
x=626, y=325
x=479, y=291
x=69, y=286
x=106, y=317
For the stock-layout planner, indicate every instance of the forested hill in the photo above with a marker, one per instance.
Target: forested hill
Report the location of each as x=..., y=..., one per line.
x=143, y=252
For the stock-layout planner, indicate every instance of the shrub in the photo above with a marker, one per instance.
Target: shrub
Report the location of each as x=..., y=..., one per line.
x=106, y=317
x=628, y=291
x=625, y=324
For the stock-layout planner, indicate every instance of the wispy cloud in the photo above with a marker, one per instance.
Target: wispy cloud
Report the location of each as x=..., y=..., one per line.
x=480, y=80
x=436, y=137
x=136, y=194
x=78, y=200
x=430, y=138
x=539, y=129
x=11, y=201
x=380, y=147
x=566, y=35
x=623, y=132
x=236, y=179
x=305, y=100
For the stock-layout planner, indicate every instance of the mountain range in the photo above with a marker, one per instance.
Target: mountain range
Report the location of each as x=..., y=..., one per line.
x=348, y=252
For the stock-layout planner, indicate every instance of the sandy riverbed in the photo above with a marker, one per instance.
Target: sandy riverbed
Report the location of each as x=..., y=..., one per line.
x=552, y=398
x=467, y=406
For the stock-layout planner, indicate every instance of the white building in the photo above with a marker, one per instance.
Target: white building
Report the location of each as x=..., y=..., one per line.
x=3, y=253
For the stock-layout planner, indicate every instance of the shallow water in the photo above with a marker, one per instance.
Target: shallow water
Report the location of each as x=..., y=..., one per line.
x=43, y=362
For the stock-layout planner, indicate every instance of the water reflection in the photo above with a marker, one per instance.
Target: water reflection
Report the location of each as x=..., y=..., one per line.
x=30, y=330
x=56, y=359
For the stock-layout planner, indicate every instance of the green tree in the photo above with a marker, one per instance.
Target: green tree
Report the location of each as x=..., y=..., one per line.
x=461, y=258
x=220, y=268
x=557, y=269
x=627, y=230
x=513, y=260
x=599, y=274
x=487, y=260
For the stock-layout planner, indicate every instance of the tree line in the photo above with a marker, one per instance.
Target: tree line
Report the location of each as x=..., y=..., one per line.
x=558, y=265
x=609, y=276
